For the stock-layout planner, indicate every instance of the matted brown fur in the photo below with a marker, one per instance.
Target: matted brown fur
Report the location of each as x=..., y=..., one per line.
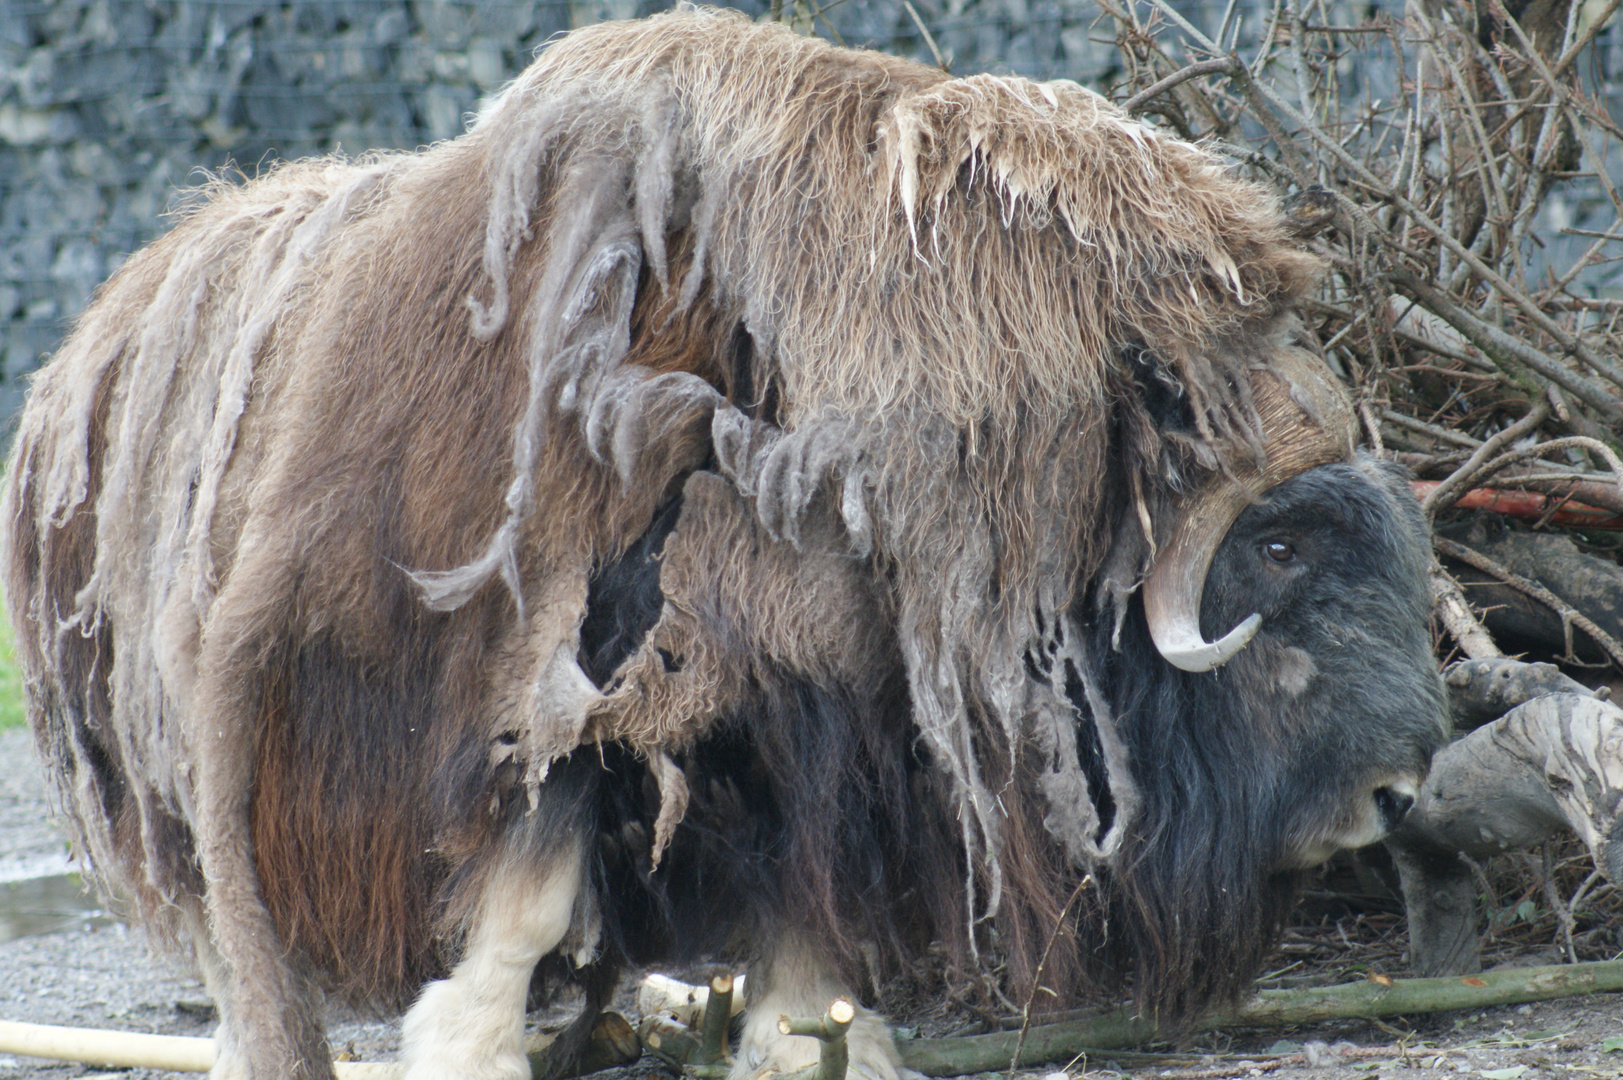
x=259, y=496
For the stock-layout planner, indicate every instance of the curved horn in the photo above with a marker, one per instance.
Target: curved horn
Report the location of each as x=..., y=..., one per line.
x=1306, y=421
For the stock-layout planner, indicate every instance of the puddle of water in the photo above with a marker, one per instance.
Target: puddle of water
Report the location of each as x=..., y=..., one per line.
x=48, y=905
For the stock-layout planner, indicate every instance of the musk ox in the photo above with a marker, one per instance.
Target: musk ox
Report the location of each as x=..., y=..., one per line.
x=745, y=498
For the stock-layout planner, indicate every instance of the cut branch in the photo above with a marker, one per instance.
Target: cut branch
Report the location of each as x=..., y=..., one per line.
x=829, y=1030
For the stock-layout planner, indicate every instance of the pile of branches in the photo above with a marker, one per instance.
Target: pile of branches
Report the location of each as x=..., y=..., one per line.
x=1490, y=368
x=1498, y=384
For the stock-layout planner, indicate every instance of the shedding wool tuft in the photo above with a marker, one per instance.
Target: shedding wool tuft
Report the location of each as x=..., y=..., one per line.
x=937, y=279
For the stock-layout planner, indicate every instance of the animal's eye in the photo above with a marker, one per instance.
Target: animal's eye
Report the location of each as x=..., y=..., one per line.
x=1279, y=551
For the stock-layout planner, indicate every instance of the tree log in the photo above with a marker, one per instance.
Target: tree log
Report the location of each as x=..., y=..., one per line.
x=1592, y=585
x=1272, y=1008
x=1481, y=691
x=1553, y=763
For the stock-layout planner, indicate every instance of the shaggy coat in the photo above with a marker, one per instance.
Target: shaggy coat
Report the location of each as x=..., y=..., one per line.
x=682, y=488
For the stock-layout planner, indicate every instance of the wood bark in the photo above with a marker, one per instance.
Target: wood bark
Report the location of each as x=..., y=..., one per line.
x=1520, y=624
x=1552, y=763
x=1481, y=691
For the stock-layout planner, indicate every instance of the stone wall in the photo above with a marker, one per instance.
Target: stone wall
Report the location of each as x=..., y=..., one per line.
x=109, y=107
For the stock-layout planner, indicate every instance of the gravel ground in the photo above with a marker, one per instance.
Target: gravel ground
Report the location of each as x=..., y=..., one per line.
x=90, y=971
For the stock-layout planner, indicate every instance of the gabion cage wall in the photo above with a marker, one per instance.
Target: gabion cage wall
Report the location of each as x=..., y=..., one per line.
x=109, y=107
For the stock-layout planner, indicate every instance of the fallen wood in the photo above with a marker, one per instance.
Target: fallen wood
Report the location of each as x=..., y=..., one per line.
x=612, y=1042
x=1272, y=1008
x=682, y=1001
x=1518, y=623
x=1550, y=764
x=948, y=1057
x=1600, y=497
x=1569, y=615
x=829, y=1029
x=1551, y=509
x=1481, y=691
x=670, y=1040
x=177, y=1053
x=137, y=1050
x=1450, y=606
x=718, y=1010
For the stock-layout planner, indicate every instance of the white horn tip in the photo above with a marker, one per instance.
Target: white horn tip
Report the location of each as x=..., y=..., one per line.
x=1200, y=655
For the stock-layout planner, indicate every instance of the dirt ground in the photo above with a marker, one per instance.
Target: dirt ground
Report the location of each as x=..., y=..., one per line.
x=83, y=969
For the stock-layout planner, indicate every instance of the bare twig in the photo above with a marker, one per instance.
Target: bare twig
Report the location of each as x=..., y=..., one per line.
x=1448, y=435
x=1443, y=495
x=1509, y=350
x=929, y=39
x=1568, y=342
x=1037, y=979
x=1596, y=24
x=1539, y=449
x=1137, y=102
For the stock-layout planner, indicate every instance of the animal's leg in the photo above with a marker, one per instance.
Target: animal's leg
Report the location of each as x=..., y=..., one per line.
x=471, y=1025
x=795, y=982
x=270, y=1013
x=229, y=1060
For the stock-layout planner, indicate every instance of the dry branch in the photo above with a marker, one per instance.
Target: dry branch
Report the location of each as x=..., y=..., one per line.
x=1531, y=506
x=1443, y=495
x=1272, y=1008
x=1457, y=617
x=1573, y=485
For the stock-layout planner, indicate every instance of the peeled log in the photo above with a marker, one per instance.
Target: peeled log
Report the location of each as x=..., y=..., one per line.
x=1483, y=690
x=684, y=1001
x=1552, y=763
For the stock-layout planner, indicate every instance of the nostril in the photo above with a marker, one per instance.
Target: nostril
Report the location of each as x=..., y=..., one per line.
x=1393, y=805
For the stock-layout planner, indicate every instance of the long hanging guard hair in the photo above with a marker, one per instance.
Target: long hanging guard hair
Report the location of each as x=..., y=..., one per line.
x=937, y=278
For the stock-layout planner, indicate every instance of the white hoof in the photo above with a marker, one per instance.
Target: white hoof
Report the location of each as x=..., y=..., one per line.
x=450, y=1034
x=471, y=1026
x=798, y=985
x=229, y=1064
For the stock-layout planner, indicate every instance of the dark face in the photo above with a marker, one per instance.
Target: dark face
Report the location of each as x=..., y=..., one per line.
x=1338, y=694
x=1312, y=738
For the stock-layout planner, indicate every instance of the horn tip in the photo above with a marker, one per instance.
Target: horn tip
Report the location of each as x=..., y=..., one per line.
x=1199, y=656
